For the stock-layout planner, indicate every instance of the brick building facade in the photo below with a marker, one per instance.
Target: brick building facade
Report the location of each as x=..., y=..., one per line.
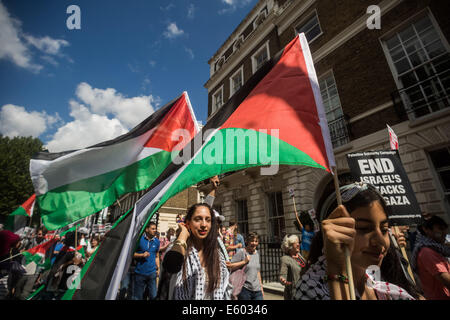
x=397, y=75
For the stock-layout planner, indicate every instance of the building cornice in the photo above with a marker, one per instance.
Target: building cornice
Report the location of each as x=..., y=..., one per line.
x=239, y=29
x=249, y=44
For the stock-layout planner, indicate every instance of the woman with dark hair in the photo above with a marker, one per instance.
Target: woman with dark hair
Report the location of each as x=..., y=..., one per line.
x=197, y=259
x=361, y=223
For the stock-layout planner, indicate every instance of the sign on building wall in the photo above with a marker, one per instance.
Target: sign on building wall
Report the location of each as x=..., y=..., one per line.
x=384, y=170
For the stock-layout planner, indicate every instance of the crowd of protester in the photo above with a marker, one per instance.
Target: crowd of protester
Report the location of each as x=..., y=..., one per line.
x=62, y=258
x=202, y=259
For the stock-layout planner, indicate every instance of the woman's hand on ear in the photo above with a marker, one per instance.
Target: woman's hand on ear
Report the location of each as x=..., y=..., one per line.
x=184, y=234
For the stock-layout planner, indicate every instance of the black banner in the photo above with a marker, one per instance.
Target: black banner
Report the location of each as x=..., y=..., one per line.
x=384, y=170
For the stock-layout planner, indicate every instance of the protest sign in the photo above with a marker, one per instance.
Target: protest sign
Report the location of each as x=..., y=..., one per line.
x=384, y=170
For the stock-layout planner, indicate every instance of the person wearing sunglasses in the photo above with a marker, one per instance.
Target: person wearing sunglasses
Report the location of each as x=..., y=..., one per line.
x=361, y=224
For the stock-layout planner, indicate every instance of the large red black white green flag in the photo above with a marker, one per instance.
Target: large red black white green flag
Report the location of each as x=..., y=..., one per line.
x=75, y=184
x=276, y=118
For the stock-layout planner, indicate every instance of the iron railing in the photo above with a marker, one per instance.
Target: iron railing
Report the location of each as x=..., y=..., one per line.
x=270, y=254
x=339, y=132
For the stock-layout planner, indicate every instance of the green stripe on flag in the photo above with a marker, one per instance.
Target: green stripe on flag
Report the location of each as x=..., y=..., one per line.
x=82, y=198
x=20, y=211
x=31, y=296
x=244, y=157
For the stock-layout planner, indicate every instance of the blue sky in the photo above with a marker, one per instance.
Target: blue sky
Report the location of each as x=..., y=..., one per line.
x=74, y=88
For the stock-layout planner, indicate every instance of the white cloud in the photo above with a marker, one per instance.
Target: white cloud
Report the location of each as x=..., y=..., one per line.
x=100, y=115
x=47, y=44
x=190, y=52
x=51, y=60
x=11, y=47
x=233, y=5
x=87, y=129
x=15, y=46
x=129, y=111
x=191, y=11
x=173, y=31
x=16, y=121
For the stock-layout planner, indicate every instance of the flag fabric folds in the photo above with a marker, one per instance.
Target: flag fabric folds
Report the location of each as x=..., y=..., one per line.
x=393, y=140
x=75, y=184
x=276, y=118
x=18, y=218
x=37, y=253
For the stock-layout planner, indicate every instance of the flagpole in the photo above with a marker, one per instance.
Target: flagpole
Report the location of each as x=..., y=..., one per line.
x=402, y=249
x=76, y=226
x=348, y=264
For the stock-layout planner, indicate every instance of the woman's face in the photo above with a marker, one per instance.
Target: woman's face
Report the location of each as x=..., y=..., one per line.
x=200, y=223
x=372, y=235
x=295, y=247
x=251, y=246
x=94, y=242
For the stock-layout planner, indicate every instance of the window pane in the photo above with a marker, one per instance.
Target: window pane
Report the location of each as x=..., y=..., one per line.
x=338, y=113
x=392, y=42
x=440, y=158
x=423, y=23
x=435, y=49
x=314, y=32
x=406, y=34
x=408, y=79
x=310, y=24
x=429, y=36
x=335, y=102
x=418, y=57
x=402, y=66
x=397, y=53
x=412, y=45
x=445, y=177
x=424, y=72
x=442, y=64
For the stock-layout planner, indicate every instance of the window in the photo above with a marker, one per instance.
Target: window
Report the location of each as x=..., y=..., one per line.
x=421, y=65
x=242, y=216
x=236, y=81
x=441, y=162
x=333, y=110
x=217, y=100
x=260, y=57
x=311, y=28
x=276, y=216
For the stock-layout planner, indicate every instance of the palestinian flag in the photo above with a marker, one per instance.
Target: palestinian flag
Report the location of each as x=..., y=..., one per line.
x=276, y=118
x=38, y=253
x=75, y=184
x=18, y=218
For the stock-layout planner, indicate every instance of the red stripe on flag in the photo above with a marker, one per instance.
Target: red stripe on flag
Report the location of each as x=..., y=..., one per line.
x=28, y=205
x=179, y=117
x=285, y=99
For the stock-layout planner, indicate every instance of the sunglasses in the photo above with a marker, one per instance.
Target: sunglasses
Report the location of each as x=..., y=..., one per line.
x=351, y=190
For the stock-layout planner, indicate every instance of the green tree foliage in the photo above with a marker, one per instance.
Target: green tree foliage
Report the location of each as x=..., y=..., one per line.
x=15, y=180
